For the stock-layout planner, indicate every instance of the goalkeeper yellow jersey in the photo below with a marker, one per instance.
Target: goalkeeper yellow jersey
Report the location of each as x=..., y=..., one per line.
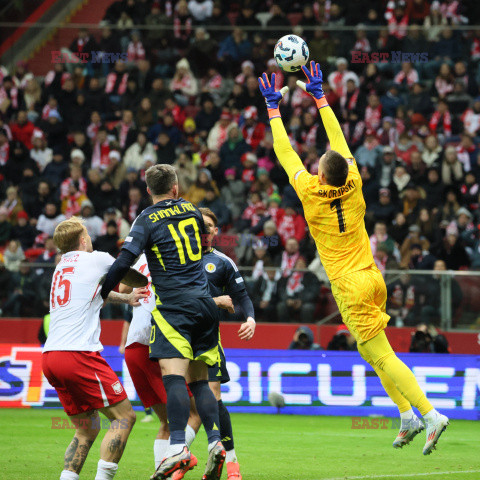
x=335, y=215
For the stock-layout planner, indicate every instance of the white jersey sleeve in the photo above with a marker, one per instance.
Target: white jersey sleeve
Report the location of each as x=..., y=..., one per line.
x=75, y=301
x=139, y=331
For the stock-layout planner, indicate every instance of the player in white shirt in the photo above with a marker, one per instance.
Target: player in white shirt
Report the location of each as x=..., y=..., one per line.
x=71, y=359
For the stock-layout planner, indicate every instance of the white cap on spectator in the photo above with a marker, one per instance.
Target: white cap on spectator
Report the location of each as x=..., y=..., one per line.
x=76, y=152
x=114, y=154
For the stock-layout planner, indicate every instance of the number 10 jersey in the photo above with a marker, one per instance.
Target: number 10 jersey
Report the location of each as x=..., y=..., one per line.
x=170, y=233
x=75, y=302
x=335, y=216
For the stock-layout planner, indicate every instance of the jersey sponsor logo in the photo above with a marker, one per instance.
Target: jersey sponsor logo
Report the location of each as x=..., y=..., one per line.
x=350, y=161
x=117, y=388
x=210, y=267
x=337, y=192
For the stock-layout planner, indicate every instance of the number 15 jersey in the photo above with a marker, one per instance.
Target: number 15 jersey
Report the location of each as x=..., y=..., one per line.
x=170, y=232
x=75, y=302
x=335, y=216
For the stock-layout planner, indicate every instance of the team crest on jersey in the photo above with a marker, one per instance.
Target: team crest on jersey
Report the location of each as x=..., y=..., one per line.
x=117, y=388
x=210, y=267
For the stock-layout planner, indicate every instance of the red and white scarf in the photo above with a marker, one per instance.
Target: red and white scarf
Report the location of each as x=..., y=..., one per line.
x=475, y=50
x=288, y=263
x=4, y=153
x=295, y=283
x=406, y=78
x=446, y=122
x=471, y=121
x=100, y=158
x=373, y=117
x=122, y=136
x=65, y=186
x=111, y=82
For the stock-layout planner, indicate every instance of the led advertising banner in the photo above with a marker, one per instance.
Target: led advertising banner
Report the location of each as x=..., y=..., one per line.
x=309, y=382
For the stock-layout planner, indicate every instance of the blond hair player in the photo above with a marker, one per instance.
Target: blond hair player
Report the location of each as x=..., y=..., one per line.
x=71, y=359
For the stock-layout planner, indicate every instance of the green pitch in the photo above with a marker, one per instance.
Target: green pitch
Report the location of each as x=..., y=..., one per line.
x=269, y=447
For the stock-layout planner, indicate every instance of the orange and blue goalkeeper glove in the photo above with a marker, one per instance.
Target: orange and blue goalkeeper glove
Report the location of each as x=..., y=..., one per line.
x=314, y=84
x=272, y=96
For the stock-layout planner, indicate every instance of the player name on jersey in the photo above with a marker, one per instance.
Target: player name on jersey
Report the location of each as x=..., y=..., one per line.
x=338, y=192
x=171, y=211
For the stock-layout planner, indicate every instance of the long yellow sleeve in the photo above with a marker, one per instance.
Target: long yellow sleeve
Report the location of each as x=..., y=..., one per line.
x=334, y=132
x=286, y=155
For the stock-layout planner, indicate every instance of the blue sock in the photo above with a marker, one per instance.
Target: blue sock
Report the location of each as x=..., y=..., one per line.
x=207, y=407
x=178, y=407
x=225, y=426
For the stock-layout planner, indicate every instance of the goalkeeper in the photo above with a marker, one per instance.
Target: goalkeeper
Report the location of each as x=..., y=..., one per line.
x=334, y=209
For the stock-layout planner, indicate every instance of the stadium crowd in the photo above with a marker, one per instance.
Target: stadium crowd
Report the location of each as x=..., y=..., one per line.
x=78, y=141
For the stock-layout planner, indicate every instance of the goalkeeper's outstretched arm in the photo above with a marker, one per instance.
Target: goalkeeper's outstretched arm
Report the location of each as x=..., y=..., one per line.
x=284, y=151
x=314, y=88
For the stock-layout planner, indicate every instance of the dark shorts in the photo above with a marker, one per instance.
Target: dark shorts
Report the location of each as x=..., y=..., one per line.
x=219, y=372
x=186, y=330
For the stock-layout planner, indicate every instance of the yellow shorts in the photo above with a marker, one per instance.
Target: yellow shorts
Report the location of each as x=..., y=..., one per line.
x=361, y=298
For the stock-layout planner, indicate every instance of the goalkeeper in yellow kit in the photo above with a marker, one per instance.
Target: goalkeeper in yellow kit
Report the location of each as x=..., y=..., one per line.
x=334, y=209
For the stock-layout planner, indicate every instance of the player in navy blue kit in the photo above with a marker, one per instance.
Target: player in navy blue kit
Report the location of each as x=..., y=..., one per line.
x=225, y=279
x=184, y=336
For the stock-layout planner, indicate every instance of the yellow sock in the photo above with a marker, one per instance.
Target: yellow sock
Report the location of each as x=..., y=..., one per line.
x=392, y=391
x=382, y=357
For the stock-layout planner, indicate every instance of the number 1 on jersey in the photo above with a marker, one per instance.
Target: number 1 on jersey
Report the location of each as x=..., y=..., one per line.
x=337, y=204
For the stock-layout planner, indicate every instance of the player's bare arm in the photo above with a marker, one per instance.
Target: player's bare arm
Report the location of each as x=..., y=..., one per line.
x=133, y=298
x=225, y=302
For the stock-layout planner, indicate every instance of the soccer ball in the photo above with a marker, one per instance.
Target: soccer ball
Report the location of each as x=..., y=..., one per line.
x=291, y=52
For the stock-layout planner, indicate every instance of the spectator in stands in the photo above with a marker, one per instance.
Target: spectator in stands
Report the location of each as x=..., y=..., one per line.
x=342, y=340
x=23, y=129
x=235, y=49
x=212, y=201
x=196, y=193
x=298, y=293
x=12, y=204
x=92, y=222
x=368, y=153
x=5, y=226
x=233, y=148
x=183, y=85
x=48, y=221
x=279, y=21
x=432, y=294
x=248, y=19
x=452, y=170
x=112, y=214
x=136, y=204
x=13, y=256
x=303, y=339
x=182, y=25
x=451, y=250
x=136, y=154
x=384, y=210
x=263, y=292
x=23, y=291
x=109, y=241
